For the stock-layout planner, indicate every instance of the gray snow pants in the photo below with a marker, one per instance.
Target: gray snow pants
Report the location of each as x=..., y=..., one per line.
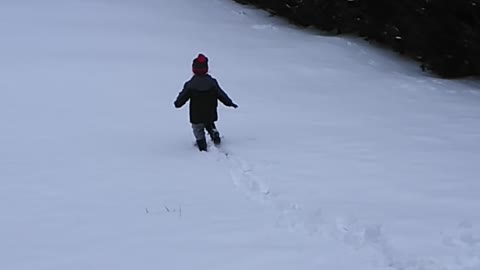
x=199, y=130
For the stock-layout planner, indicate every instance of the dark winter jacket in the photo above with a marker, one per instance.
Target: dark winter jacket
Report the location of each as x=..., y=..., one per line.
x=203, y=92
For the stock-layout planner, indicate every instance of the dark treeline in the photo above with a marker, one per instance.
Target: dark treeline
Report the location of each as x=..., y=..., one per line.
x=443, y=35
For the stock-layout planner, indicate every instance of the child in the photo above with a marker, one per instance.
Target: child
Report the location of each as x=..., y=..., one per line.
x=203, y=91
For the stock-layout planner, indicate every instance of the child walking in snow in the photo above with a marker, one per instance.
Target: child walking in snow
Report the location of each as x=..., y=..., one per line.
x=203, y=91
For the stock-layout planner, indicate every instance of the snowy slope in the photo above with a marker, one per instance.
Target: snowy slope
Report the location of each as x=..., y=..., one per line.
x=341, y=156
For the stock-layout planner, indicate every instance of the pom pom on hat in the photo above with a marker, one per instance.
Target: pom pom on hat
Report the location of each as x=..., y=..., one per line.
x=201, y=58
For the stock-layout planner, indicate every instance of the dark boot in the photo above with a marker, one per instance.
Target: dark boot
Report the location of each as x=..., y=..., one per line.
x=202, y=145
x=216, y=137
x=213, y=132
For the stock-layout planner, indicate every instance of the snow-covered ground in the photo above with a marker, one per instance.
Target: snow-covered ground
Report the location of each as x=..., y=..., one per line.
x=340, y=156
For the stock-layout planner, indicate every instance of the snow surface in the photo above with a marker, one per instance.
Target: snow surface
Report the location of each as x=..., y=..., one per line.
x=340, y=156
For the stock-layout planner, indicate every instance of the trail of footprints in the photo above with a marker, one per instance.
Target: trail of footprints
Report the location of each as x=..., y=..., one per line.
x=350, y=231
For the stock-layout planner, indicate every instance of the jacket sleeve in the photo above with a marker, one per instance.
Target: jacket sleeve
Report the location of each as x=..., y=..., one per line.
x=223, y=97
x=182, y=97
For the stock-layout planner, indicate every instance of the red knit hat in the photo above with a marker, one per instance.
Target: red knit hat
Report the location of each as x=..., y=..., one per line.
x=200, y=65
